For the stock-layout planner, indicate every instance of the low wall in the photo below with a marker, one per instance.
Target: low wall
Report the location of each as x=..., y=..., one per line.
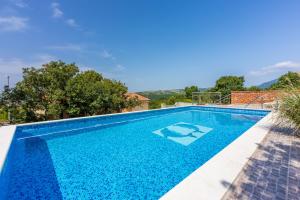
x=245, y=97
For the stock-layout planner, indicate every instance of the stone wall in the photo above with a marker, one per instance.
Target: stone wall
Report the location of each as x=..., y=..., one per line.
x=253, y=97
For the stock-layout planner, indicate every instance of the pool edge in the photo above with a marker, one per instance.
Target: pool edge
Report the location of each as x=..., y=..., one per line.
x=6, y=137
x=139, y=111
x=213, y=179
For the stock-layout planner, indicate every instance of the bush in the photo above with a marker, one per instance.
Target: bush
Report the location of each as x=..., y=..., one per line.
x=289, y=108
x=253, y=88
x=3, y=115
x=290, y=79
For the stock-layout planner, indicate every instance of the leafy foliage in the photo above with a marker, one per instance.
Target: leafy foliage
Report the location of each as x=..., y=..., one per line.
x=168, y=97
x=154, y=104
x=290, y=107
x=3, y=115
x=42, y=93
x=58, y=90
x=89, y=94
x=254, y=88
x=189, y=91
x=226, y=84
x=290, y=79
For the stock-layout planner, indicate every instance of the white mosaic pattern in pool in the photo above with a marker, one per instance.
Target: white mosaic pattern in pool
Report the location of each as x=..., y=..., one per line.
x=183, y=133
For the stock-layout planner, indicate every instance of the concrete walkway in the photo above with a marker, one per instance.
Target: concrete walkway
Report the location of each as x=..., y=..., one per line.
x=273, y=171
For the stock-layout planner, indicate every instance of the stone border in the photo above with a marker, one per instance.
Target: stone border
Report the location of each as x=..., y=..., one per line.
x=213, y=179
x=6, y=137
x=140, y=111
x=94, y=116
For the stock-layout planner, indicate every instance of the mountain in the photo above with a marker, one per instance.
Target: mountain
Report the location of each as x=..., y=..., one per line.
x=267, y=84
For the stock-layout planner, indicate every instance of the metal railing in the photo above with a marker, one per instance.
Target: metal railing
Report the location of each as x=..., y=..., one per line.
x=226, y=98
x=258, y=101
x=206, y=97
x=261, y=98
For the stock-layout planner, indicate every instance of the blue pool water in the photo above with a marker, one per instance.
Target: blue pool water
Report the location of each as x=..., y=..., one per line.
x=130, y=156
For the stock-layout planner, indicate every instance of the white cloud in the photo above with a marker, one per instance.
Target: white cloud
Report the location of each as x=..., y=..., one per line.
x=15, y=65
x=83, y=69
x=119, y=68
x=19, y=3
x=107, y=55
x=277, y=67
x=13, y=23
x=41, y=59
x=56, y=11
x=72, y=23
x=59, y=14
x=66, y=47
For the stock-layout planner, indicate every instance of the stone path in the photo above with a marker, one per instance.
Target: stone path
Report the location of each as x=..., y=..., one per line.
x=273, y=171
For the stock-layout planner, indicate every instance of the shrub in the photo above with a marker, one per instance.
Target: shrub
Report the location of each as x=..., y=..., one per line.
x=290, y=79
x=3, y=115
x=289, y=108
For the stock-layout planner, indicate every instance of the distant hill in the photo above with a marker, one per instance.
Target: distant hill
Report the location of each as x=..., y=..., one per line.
x=267, y=84
x=163, y=94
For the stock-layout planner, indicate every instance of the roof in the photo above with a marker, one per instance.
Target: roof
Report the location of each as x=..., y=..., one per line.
x=138, y=96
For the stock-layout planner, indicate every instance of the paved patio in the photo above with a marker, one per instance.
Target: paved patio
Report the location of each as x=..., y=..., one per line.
x=273, y=171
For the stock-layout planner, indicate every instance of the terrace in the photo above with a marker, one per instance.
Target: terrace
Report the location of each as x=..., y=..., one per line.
x=273, y=171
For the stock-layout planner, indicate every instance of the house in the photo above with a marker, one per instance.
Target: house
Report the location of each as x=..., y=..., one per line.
x=144, y=102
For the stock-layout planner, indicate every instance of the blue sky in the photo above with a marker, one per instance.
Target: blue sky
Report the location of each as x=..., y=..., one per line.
x=153, y=44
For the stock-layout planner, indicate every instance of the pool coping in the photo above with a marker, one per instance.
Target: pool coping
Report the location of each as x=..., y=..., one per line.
x=7, y=133
x=6, y=137
x=214, y=178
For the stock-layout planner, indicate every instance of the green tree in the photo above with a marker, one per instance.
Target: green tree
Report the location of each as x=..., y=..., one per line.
x=4, y=104
x=189, y=91
x=58, y=89
x=58, y=75
x=226, y=84
x=41, y=93
x=89, y=94
x=290, y=79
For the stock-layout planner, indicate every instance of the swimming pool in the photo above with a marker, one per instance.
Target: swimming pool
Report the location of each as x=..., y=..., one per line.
x=138, y=155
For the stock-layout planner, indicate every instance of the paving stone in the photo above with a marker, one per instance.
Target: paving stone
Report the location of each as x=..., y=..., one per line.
x=273, y=171
x=293, y=197
x=267, y=197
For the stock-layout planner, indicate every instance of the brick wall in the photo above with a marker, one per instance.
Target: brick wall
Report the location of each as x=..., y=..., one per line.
x=245, y=97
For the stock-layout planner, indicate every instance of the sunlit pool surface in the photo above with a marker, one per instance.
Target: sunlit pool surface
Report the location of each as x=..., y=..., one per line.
x=128, y=156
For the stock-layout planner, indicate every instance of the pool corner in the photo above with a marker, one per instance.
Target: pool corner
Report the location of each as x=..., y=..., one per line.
x=214, y=178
